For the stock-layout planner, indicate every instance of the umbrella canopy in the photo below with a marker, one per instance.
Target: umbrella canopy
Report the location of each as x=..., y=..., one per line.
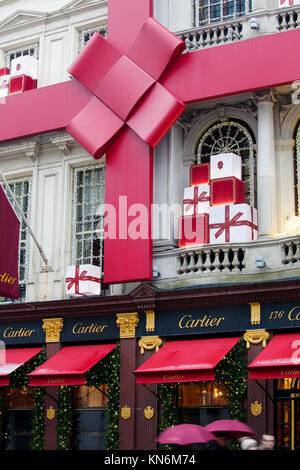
x=185, y=434
x=233, y=429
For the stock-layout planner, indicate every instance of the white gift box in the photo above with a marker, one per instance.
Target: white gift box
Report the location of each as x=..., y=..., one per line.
x=234, y=223
x=225, y=164
x=4, y=84
x=83, y=280
x=24, y=65
x=196, y=200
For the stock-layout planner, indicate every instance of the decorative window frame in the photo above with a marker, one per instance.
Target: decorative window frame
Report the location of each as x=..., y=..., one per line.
x=249, y=165
x=20, y=51
x=24, y=241
x=74, y=232
x=211, y=4
x=85, y=34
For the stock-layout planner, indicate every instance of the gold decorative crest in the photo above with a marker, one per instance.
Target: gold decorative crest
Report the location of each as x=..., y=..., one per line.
x=52, y=328
x=127, y=323
x=150, y=342
x=125, y=412
x=50, y=413
x=149, y=412
x=256, y=337
x=256, y=408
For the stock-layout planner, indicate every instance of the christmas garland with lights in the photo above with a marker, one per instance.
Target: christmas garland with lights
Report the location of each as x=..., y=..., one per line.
x=107, y=372
x=232, y=372
x=19, y=379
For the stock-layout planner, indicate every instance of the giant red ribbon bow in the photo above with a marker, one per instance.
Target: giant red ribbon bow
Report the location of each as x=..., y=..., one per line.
x=126, y=89
x=234, y=222
x=78, y=277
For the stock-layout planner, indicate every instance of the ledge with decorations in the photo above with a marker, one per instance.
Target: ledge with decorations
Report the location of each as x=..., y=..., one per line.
x=21, y=76
x=214, y=205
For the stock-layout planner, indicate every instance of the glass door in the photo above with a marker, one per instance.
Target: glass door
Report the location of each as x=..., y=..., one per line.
x=90, y=413
x=18, y=419
x=287, y=422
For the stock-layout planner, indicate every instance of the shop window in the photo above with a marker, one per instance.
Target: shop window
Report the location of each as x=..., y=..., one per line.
x=21, y=188
x=90, y=417
x=236, y=137
x=203, y=402
x=211, y=11
x=88, y=228
x=287, y=416
x=18, y=418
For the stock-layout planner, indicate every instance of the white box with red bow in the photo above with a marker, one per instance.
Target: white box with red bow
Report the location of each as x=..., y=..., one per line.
x=232, y=223
x=83, y=280
x=225, y=164
x=196, y=200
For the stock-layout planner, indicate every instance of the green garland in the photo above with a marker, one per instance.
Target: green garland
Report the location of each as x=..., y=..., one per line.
x=232, y=371
x=20, y=379
x=64, y=417
x=107, y=372
x=169, y=416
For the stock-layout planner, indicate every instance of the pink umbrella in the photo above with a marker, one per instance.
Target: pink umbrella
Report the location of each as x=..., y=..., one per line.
x=185, y=434
x=233, y=429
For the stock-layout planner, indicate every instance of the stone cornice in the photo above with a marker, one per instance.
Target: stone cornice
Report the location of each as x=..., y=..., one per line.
x=280, y=291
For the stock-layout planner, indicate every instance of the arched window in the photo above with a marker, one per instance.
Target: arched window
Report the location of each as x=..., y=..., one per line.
x=236, y=137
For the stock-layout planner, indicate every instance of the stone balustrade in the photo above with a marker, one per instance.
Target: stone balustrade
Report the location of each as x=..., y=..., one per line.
x=214, y=264
x=236, y=29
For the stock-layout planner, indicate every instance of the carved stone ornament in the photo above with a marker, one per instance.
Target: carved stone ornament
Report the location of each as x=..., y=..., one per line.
x=52, y=328
x=149, y=412
x=149, y=343
x=127, y=323
x=256, y=337
x=50, y=413
x=125, y=412
x=256, y=408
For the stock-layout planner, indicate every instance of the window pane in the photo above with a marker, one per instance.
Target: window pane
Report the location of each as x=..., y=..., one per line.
x=210, y=11
x=202, y=394
x=86, y=396
x=89, y=192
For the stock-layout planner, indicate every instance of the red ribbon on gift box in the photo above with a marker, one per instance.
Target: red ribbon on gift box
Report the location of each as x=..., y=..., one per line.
x=234, y=222
x=202, y=197
x=80, y=277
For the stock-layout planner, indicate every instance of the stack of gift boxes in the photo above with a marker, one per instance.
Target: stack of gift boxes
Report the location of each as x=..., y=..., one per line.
x=214, y=207
x=20, y=77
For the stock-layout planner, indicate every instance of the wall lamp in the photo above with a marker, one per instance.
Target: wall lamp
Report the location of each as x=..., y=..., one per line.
x=260, y=262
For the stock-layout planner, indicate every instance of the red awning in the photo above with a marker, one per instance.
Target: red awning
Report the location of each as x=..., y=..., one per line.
x=69, y=365
x=280, y=359
x=185, y=361
x=12, y=359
